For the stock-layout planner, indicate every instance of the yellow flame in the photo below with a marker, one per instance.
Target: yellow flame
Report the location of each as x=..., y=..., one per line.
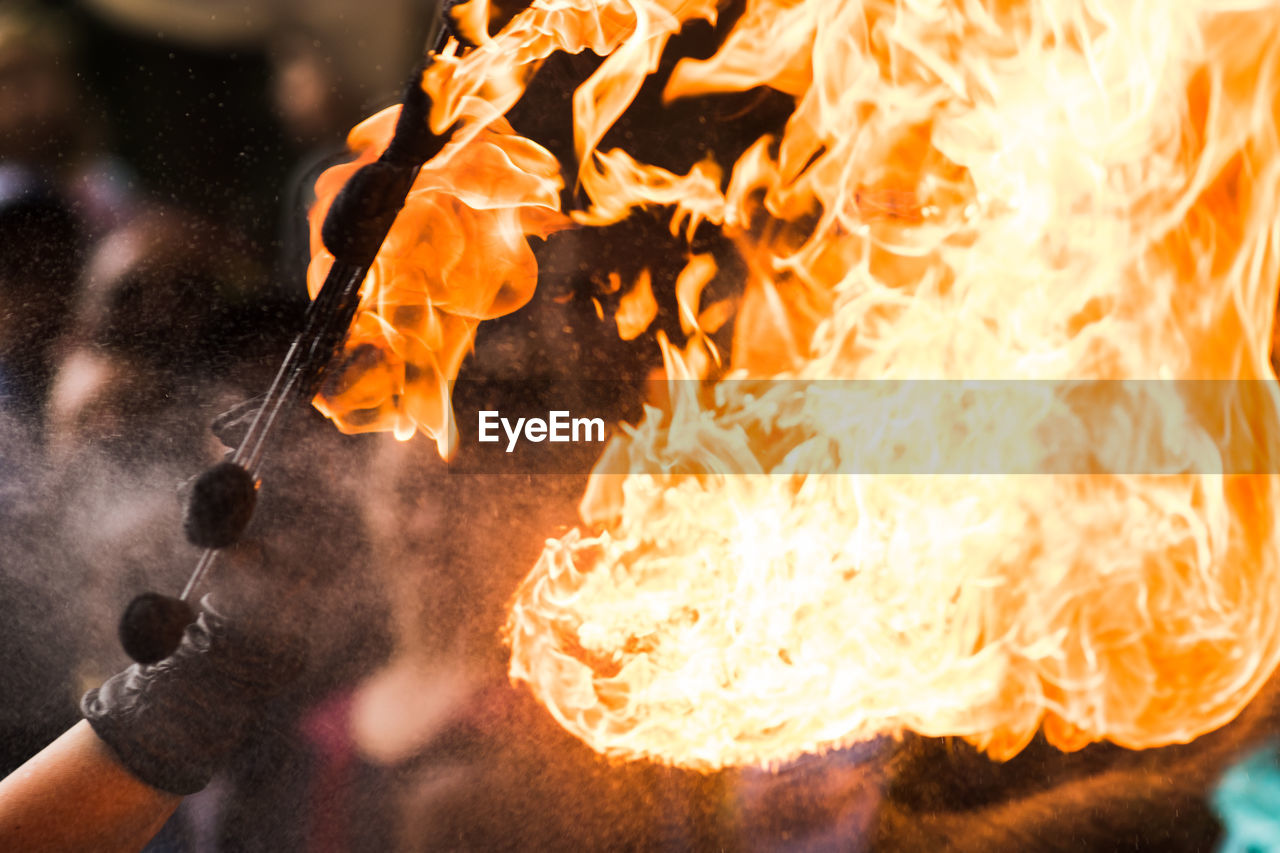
x=1041, y=190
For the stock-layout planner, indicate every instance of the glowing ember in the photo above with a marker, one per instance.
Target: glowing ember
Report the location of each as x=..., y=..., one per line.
x=1048, y=190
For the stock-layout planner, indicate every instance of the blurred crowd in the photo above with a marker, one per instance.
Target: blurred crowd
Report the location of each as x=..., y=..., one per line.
x=156, y=160
x=155, y=168
x=154, y=176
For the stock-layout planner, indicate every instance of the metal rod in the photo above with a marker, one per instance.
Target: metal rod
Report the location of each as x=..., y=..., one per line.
x=325, y=327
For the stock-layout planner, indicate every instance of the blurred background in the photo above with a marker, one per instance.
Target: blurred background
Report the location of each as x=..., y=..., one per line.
x=156, y=165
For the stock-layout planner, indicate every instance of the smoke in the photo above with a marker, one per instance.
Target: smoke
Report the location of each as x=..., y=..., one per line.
x=35, y=654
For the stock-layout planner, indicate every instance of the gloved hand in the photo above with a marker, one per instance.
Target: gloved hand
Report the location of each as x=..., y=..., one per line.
x=302, y=562
x=173, y=723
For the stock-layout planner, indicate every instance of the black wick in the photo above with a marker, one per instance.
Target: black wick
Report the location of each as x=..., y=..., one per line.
x=222, y=500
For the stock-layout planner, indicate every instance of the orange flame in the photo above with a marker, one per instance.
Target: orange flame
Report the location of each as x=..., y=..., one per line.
x=1055, y=189
x=457, y=254
x=637, y=308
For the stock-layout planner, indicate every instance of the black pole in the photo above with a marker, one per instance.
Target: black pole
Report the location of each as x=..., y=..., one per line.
x=222, y=500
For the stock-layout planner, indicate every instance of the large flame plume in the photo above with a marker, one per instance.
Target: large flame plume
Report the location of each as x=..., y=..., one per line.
x=1038, y=191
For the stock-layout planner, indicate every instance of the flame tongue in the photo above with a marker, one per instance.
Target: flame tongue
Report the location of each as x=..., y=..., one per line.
x=1036, y=191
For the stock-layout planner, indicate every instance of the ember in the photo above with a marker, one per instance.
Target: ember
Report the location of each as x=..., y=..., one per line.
x=1036, y=191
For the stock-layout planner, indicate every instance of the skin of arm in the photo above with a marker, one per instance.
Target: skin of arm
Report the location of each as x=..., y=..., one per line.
x=74, y=795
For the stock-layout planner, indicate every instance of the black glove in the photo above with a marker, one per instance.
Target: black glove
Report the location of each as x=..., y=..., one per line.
x=173, y=723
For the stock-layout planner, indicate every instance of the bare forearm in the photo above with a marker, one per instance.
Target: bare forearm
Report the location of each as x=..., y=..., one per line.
x=75, y=796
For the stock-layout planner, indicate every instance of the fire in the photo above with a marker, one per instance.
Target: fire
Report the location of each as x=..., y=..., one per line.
x=1040, y=191
x=456, y=255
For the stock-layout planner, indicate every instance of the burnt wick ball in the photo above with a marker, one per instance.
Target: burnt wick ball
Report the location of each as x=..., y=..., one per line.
x=152, y=626
x=220, y=506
